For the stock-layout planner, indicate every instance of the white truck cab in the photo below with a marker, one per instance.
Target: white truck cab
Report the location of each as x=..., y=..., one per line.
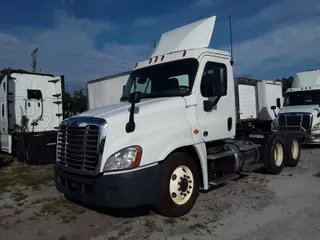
x=173, y=133
x=301, y=107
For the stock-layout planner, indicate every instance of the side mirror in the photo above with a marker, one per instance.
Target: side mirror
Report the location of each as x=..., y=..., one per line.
x=135, y=97
x=123, y=87
x=278, y=103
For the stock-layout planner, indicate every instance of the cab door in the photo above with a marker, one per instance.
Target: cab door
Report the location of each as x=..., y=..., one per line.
x=215, y=99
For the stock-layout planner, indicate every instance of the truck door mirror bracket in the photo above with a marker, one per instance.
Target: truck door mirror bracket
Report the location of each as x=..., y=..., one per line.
x=134, y=98
x=273, y=108
x=209, y=104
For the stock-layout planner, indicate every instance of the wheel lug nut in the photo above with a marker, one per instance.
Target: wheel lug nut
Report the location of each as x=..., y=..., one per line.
x=179, y=183
x=188, y=177
x=190, y=187
x=174, y=195
x=190, y=181
x=174, y=177
x=188, y=192
x=179, y=189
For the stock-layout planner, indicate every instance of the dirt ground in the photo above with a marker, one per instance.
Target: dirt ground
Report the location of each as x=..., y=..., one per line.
x=257, y=206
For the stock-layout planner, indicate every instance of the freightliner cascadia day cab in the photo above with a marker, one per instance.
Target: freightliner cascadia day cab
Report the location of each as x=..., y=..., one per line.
x=301, y=107
x=31, y=105
x=173, y=134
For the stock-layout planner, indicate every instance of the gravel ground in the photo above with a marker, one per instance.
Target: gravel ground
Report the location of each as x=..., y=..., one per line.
x=254, y=207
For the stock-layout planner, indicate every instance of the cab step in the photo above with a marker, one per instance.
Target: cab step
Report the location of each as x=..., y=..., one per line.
x=254, y=167
x=220, y=155
x=224, y=179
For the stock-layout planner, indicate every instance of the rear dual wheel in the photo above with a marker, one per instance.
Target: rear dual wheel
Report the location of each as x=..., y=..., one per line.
x=280, y=152
x=274, y=155
x=293, y=149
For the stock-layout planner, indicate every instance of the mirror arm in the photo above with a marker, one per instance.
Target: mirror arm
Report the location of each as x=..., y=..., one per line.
x=130, y=126
x=274, y=112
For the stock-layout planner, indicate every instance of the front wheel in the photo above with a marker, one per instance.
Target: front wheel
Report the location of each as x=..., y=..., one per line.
x=178, y=185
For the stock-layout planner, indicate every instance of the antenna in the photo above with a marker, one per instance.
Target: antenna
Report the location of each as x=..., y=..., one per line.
x=231, y=45
x=34, y=59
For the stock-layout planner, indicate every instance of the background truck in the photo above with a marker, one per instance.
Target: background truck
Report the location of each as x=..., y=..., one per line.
x=301, y=107
x=174, y=133
x=106, y=91
x=31, y=111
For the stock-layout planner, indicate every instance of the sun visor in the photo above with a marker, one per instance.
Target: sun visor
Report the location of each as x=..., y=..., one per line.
x=194, y=35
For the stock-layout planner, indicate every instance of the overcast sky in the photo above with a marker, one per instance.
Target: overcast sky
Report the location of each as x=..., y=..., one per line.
x=84, y=39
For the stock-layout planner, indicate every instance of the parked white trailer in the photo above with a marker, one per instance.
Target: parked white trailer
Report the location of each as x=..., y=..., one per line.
x=106, y=90
x=256, y=97
x=31, y=111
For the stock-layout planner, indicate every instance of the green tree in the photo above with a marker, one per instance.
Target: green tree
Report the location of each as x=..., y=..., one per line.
x=7, y=71
x=286, y=83
x=74, y=103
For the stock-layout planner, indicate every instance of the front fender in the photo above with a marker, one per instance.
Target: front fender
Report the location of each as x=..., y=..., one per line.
x=158, y=135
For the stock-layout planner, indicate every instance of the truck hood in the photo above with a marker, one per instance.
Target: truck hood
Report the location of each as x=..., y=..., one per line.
x=313, y=109
x=300, y=108
x=120, y=111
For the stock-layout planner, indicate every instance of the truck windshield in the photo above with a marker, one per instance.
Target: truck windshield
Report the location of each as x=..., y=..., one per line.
x=311, y=97
x=164, y=80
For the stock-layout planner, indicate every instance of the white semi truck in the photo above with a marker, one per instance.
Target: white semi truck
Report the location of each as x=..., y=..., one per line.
x=175, y=132
x=301, y=107
x=31, y=112
x=106, y=90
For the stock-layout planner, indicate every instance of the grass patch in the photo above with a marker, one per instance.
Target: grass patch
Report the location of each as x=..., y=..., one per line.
x=18, y=196
x=65, y=210
x=27, y=176
x=170, y=221
x=198, y=226
x=150, y=225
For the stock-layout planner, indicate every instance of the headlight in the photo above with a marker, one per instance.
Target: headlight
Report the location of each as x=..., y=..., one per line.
x=316, y=127
x=124, y=159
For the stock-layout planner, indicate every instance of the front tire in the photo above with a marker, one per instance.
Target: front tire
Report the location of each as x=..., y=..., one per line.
x=178, y=185
x=274, y=155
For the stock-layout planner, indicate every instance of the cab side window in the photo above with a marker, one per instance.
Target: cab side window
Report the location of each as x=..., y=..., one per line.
x=214, y=82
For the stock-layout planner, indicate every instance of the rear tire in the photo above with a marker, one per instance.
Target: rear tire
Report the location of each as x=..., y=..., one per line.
x=292, y=150
x=274, y=155
x=178, y=185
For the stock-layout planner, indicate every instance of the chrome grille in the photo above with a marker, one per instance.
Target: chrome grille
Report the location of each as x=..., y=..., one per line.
x=296, y=121
x=79, y=144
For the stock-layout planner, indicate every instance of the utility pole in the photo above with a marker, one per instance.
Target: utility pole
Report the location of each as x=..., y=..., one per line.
x=34, y=59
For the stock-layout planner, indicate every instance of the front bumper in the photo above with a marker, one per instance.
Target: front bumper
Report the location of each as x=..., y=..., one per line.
x=312, y=139
x=123, y=190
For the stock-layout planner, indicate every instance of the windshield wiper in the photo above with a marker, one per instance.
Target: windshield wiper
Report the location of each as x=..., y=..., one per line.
x=124, y=99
